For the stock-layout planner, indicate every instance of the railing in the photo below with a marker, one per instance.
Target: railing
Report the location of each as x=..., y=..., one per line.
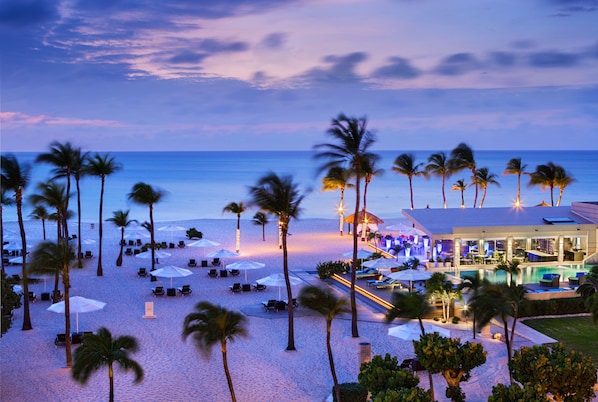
x=378, y=300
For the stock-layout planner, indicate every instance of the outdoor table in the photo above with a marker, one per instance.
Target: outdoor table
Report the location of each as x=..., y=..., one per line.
x=171, y=292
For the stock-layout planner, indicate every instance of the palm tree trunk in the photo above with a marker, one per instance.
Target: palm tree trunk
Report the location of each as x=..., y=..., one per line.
x=518, y=189
x=111, y=379
x=411, y=191
x=100, y=271
x=2, y=237
x=483, y=198
x=475, y=199
x=337, y=390
x=364, y=225
x=152, y=238
x=238, y=234
x=341, y=216
x=67, y=314
x=290, y=308
x=26, y=312
x=229, y=380
x=508, y=344
x=44, y=228
x=354, y=330
x=430, y=379
x=443, y=193
x=79, y=258
x=119, y=260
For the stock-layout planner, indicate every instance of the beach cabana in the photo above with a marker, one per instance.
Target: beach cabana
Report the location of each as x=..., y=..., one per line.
x=371, y=220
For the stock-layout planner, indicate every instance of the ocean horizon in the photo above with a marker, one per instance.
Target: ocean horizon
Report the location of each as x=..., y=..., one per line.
x=199, y=184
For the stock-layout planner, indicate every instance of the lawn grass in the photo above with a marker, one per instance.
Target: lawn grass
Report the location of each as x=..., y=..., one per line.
x=577, y=333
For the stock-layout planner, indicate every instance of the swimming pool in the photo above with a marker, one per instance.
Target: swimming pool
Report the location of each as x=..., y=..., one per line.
x=528, y=274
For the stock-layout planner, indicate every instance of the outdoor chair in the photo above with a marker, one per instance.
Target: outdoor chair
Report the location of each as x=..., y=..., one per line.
x=60, y=339
x=88, y=254
x=171, y=292
x=142, y=272
x=164, y=244
x=45, y=296
x=32, y=297
x=76, y=338
x=223, y=273
x=181, y=244
x=386, y=284
x=578, y=279
x=185, y=290
x=212, y=273
x=129, y=251
x=171, y=245
x=246, y=287
x=16, y=277
x=57, y=296
x=192, y=262
x=158, y=291
x=138, y=242
x=259, y=287
x=550, y=280
x=367, y=273
x=235, y=272
x=216, y=262
x=280, y=306
x=236, y=287
x=131, y=243
x=269, y=305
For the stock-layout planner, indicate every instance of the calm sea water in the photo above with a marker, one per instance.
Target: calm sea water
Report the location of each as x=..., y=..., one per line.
x=200, y=184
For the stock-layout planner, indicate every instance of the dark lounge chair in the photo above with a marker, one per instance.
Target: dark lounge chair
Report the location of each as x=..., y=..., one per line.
x=578, y=279
x=204, y=263
x=142, y=272
x=181, y=244
x=212, y=273
x=550, y=280
x=216, y=262
x=76, y=338
x=259, y=287
x=57, y=296
x=129, y=251
x=60, y=339
x=280, y=306
x=185, y=290
x=32, y=297
x=192, y=262
x=88, y=254
x=236, y=287
x=235, y=272
x=158, y=291
x=171, y=292
x=223, y=273
x=269, y=305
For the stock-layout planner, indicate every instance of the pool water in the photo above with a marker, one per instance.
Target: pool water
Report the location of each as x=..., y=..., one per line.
x=529, y=274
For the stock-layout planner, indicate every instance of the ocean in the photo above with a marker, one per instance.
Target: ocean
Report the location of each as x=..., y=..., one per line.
x=198, y=185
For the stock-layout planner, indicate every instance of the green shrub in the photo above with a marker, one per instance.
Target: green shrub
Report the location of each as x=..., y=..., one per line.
x=416, y=394
x=456, y=320
x=194, y=234
x=351, y=392
x=382, y=374
x=327, y=269
x=535, y=308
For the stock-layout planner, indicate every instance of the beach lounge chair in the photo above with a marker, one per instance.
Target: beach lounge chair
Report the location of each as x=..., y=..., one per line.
x=386, y=282
x=235, y=272
x=88, y=254
x=269, y=305
x=32, y=297
x=216, y=262
x=171, y=245
x=223, y=273
x=185, y=290
x=280, y=306
x=138, y=242
x=76, y=338
x=259, y=287
x=550, y=280
x=192, y=262
x=158, y=291
x=367, y=273
x=164, y=244
x=236, y=287
x=16, y=277
x=45, y=296
x=60, y=340
x=131, y=243
x=578, y=279
x=142, y=272
x=57, y=296
x=246, y=287
x=212, y=273
x=181, y=244
x=129, y=251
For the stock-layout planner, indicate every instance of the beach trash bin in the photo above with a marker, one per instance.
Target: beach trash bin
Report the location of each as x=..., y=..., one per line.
x=365, y=352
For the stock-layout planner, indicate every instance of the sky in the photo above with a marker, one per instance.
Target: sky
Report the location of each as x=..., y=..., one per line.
x=135, y=75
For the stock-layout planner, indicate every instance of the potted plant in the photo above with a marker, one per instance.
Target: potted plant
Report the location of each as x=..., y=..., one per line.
x=438, y=261
x=448, y=261
x=407, y=247
x=388, y=240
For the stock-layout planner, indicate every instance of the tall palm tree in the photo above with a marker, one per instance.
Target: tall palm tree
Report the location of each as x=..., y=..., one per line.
x=483, y=178
x=438, y=166
x=16, y=177
x=78, y=170
x=238, y=209
x=405, y=164
x=5, y=201
x=209, y=325
x=56, y=258
x=325, y=302
x=369, y=172
x=101, y=166
x=410, y=306
x=338, y=178
x=280, y=196
x=121, y=220
x=40, y=213
x=460, y=185
x=102, y=349
x=462, y=158
x=515, y=166
x=511, y=268
x=473, y=284
x=351, y=151
x=261, y=219
x=545, y=176
x=562, y=180
x=144, y=194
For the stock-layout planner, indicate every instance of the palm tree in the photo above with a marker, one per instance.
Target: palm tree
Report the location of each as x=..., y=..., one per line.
x=238, y=209
x=261, y=219
x=510, y=267
x=121, y=220
x=101, y=166
x=351, y=151
x=78, y=170
x=40, y=213
x=405, y=165
x=337, y=178
x=325, y=302
x=515, y=166
x=562, y=180
x=483, y=178
x=369, y=172
x=410, y=306
x=56, y=258
x=102, y=349
x=545, y=176
x=589, y=292
x=144, y=194
x=279, y=196
x=438, y=166
x=16, y=177
x=211, y=324
x=5, y=201
x=460, y=185
x=462, y=158
x=474, y=284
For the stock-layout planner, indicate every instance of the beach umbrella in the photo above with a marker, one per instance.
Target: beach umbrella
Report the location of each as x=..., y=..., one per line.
x=15, y=246
x=278, y=280
x=148, y=254
x=410, y=275
x=16, y=260
x=246, y=266
x=411, y=331
x=203, y=243
x=78, y=305
x=171, y=228
x=406, y=230
x=223, y=253
x=88, y=241
x=382, y=263
x=170, y=271
x=361, y=253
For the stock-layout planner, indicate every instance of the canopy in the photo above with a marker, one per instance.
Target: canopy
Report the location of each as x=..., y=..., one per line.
x=371, y=218
x=361, y=253
x=411, y=331
x=170, y=271
x=77, y=304
x=410, y=275
x=278, y=280
x=381, y=263
x=246, y=266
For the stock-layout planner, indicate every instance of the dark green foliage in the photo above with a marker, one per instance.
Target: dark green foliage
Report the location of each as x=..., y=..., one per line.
x=416, y=394
x=536, y=308
x=382, y=374
x=327, y=269
x=514, y=393
x=10, y=301
x=351, y=392
x=194, y=234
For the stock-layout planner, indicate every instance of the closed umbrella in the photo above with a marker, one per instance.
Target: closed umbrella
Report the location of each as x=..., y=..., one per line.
x=170, y=271
x=77, y=304
x=278, y=280
x=411, y=331
x=246, y=266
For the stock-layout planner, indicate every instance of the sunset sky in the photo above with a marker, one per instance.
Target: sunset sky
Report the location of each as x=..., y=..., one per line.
x=116, y=75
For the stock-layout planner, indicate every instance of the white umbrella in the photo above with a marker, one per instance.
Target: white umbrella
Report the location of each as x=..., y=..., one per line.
x=171, y=228
x=157, y=253
x=361, y=253
x=411, y=331
x=137, y=234
x=78, y=304
x=203, y=243
x=16, y=260
x=410, y=275
x=278, y=280
x=406, y=230
x=170, y=271
x=15, y=246
x=88, y=241
x=381, y=263
x=223, y=253
x=246, y=266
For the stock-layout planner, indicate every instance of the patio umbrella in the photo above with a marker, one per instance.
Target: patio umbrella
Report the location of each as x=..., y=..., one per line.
x=382, y=263
x=171, y=228
x=78, y=305
x=410, y=275
x=148, y=254
x=88, y=241
x=246, y=266
x=406, y=230
x=170, y=271
x=411, y=331
x=203, y=243
x=361, y=253
x=137, y=234
x=278, y=280
x=223, y=253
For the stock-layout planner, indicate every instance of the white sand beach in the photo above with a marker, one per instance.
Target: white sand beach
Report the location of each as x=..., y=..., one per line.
x=33, y=368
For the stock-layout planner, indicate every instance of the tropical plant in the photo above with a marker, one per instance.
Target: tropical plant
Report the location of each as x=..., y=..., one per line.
x=510, y=267
x=338, y=178
x=460, y=185
x=351, y=151
x=438, y=287
x=451, y=358
x=261, y=219
x=545, y=176
x=405, y=164
x=589, y=291
x=40, y=213
x=56, y=258
x=101, y=349
x=238, y=209
x=515, y=166
x=329, y=268
x=462, y=158
x=325, y=302
x=438, y=166
x=16, y=177
x=562, y=180
x=384, y=373
x=473, y=284
x=121, y=220
x=101, y=166
x=209, y=325
x=78, y=171
x=281, y=197
x=483, y=178
x=144, y=194
x=369, y=172
x=10, y=301
x=5, y=201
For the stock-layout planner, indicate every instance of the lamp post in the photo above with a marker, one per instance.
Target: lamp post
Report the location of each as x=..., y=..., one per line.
x=340, y=218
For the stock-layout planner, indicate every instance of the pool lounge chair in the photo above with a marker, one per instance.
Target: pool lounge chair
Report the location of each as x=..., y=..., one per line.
x=387, y=283
x=192, y=262
x=142, y=272
x=158, y=291
x=578, y=279
x=212, y=273
x=550, y=280
x=236, y=287
x=269, y=305
x=185, y=290
x=367, y=273
x=60, y=340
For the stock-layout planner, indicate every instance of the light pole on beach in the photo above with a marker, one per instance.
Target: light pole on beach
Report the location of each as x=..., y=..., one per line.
x=341, y=217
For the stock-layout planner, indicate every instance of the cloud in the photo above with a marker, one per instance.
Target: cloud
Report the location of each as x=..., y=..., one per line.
x=16, y=119
x=457, y=64
x=398, y=68
x=553, y=59
x=503, y=59
x=27, y=13
x=274, y=40
x=342, y=69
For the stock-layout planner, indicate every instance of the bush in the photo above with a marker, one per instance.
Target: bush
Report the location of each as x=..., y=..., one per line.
x=535, y=308
x=384, y=374
x=327, y=269
x=194, y=234
x=351, y=392
x=456, y=320
x=416, y=394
